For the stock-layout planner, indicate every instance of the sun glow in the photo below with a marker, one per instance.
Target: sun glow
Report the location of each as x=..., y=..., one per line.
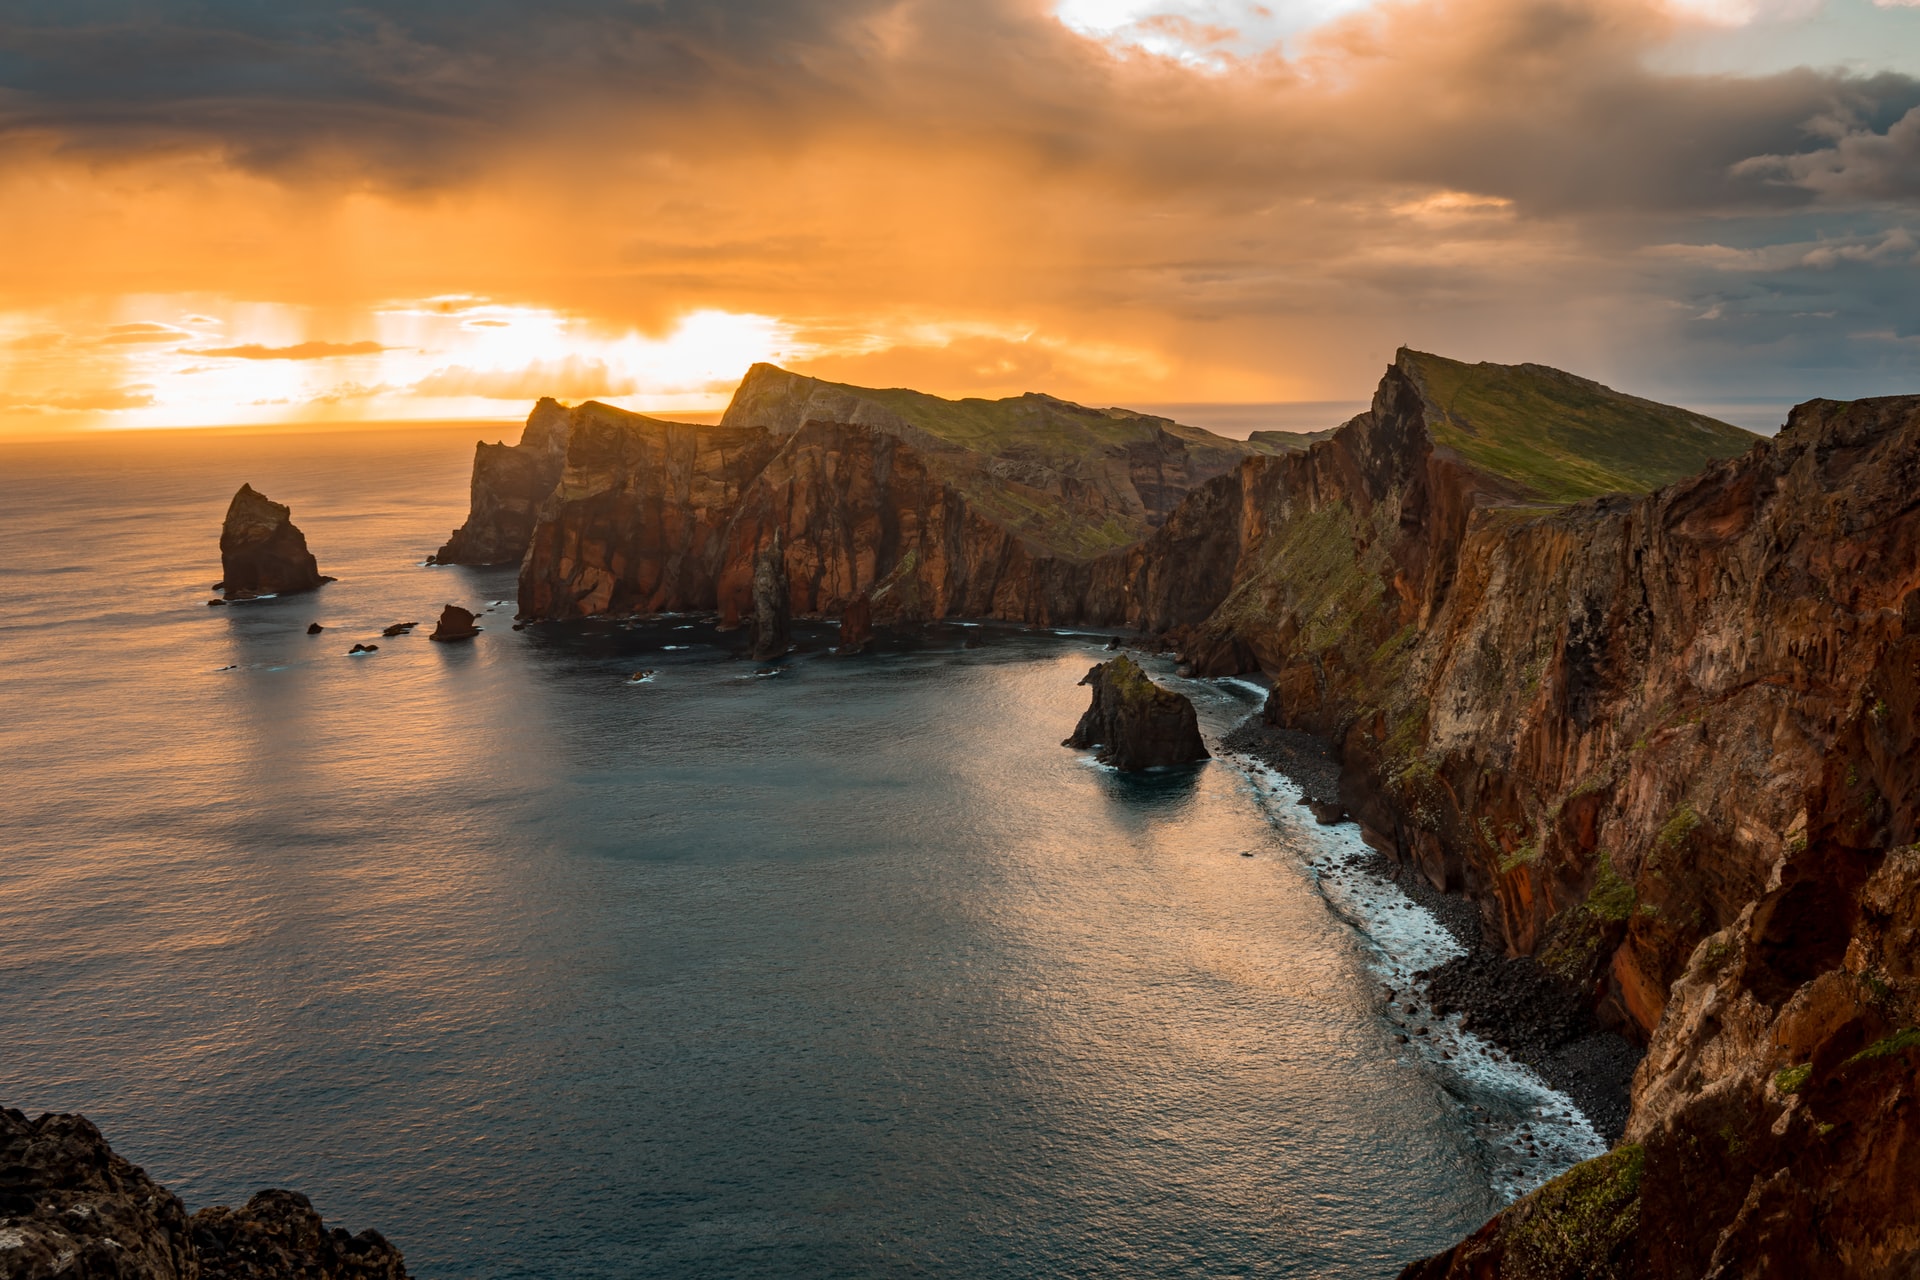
x=172, y=361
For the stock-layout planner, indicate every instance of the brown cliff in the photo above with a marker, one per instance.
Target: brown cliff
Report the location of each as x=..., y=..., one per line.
x=509, y=484
x=772, y=611
x=1666, y=742
x=71, y=1207
x=262, y=552
x=1136, y=723
x=933, y=508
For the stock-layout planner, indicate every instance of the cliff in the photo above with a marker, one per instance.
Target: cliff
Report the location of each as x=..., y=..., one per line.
x=509, y=484
x=262, y=552
x=1667, y=742
x=70, y=1206
x=933, y=508
x=1135, y=723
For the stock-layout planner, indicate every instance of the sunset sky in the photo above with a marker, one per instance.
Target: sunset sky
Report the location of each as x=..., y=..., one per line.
x=234, y=212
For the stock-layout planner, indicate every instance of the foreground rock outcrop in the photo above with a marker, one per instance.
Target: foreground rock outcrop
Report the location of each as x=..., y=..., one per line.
x=262, y=552
x=1136, y=723
x=71, y=1208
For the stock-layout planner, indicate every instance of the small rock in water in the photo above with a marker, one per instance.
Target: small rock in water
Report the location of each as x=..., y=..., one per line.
x=1246, y=853
x=1113, y=644
x=314, y=628
x=215, y=603
x=363, y=648
x=399, y=628
x=455, y=624
x=639, y=676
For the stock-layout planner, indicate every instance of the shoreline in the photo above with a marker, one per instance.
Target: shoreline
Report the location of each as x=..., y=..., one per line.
x=1513, y=1003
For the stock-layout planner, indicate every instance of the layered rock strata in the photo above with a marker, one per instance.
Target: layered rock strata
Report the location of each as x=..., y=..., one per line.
x=1134, y=722
x=262, y=552
x=70, y=1207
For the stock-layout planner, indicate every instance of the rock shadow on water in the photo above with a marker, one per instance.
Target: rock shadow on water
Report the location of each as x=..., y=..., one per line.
x=1161, y=787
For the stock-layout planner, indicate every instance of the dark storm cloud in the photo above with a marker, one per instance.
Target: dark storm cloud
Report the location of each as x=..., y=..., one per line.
x=1544, y=102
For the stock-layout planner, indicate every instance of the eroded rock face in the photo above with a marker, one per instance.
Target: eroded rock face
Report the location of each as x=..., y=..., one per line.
x=510, y=482
x=1136, y=723
x=262, y=552
x=1668, y=743
x=71, y=1208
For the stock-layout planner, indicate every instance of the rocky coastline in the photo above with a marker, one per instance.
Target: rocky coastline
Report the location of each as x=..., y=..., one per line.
x=71, y=1207
x=1512, y=1002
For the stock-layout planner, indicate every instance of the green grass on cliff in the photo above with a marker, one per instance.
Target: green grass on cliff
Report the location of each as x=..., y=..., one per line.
x=1562, y=437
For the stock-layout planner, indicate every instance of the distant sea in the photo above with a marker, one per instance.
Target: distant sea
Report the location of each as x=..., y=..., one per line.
x=848, y=971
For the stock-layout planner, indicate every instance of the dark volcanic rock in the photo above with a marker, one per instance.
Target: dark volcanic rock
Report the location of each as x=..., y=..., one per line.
x=856, y=626
x=363, y=648
x=771, y=611
x=314, y=628
x=278, y=1236
x=1136, y=723
x=78, y=1210
x=399, y=629
x=455, y=624
x=262, y=552
x=71, y=1208
x=509, y=484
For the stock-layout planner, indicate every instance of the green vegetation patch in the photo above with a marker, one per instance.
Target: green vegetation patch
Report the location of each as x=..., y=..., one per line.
x=1898, y=1042
x=1611, y=897
x=1793, y=1079
x=1563, y=437
x=1575, y=1224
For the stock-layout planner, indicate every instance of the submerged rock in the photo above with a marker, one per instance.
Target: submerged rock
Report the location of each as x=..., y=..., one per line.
x=455, y=624
x=1135, y=723
x=399, y=629
x=262, y=552
x=70, y=1206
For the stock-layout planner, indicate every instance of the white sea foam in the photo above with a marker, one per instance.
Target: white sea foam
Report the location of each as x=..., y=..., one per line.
x=1528, y=1130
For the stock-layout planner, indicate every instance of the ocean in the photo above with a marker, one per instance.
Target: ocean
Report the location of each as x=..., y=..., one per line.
x=849, y=971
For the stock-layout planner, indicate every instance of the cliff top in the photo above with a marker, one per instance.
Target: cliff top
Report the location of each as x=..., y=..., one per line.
x=780, y=400
x=1560, y=436
x=1071, y=480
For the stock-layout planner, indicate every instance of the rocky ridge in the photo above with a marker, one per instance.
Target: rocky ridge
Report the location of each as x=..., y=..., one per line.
x=71, y=1207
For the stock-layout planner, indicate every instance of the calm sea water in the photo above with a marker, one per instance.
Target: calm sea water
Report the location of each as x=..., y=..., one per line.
x=853, y=971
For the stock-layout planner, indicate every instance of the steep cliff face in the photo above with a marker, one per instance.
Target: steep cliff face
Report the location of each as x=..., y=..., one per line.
x=71, y=1207
x=933, y=508
x=1667, y=741
x=509, y=484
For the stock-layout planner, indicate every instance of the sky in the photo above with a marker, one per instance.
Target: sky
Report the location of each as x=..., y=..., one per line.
x=221, y=211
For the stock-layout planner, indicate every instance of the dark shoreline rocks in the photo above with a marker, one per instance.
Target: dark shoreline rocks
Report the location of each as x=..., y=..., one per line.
x=1136, y=723
x=262, y=552
x=71, y=1207
x=1514, y=1003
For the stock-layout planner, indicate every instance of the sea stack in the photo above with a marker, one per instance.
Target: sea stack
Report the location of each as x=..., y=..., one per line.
x=455, y=624
x=262, y=552
x=856, y=626
x=771, y=611
x=1135, y=723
